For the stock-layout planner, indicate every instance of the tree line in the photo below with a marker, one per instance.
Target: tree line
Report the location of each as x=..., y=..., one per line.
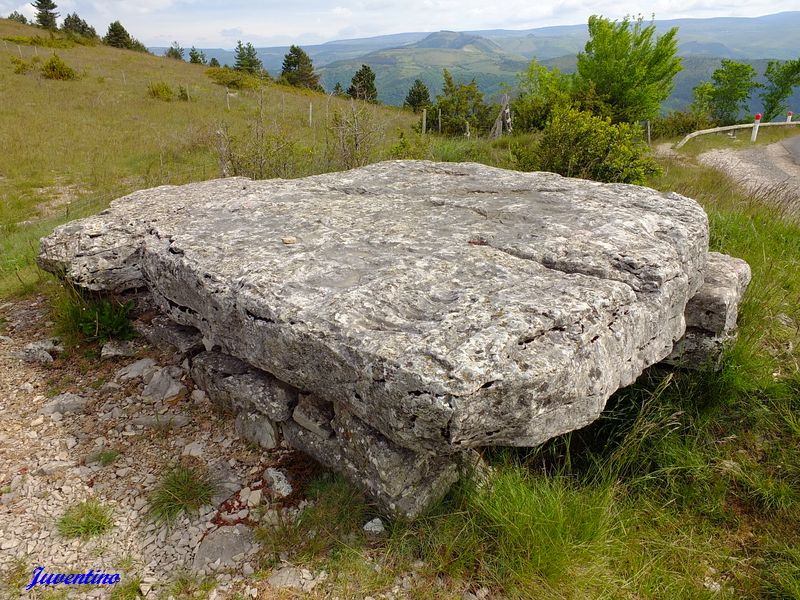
x=46, y=17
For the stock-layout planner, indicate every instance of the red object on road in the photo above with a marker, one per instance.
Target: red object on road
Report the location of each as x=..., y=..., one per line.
x=758, y=116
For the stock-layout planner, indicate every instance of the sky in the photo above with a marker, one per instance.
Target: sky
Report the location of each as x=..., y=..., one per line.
x=220, y=23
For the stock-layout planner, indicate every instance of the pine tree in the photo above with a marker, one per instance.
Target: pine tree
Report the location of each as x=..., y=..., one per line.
x=298, y=70
x=18, y=17
x=362, y=86
x=138, y=46
x=213, y=63
x=246, y=59
x=74, y=24
x=46, y=13
x=418, y=97
x=197, y=57
x=117, y=36
x=461, y=104
x=175, y=51
x=338, y=90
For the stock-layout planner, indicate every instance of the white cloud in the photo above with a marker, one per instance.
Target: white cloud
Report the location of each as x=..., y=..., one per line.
x=220, y=22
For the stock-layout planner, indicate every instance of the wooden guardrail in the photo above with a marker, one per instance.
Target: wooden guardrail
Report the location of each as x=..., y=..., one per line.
x=694, y=134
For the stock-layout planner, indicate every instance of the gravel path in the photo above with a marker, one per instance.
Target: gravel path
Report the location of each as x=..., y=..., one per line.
x=764, y=169
x=59, y=413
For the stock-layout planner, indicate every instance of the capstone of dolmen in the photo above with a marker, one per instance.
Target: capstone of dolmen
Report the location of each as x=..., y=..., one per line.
x=389, y=318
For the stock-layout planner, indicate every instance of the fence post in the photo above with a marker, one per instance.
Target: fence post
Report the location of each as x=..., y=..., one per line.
x=310, y=115
x=424, y=121
x=648, y=132
x=440, y=121
x=755, y=128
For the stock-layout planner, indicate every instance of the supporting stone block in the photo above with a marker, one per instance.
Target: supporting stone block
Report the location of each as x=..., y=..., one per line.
x=234, y=385
x=712, y=313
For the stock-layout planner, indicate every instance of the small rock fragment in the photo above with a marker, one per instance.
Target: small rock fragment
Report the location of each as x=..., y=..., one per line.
x=114, y=348
x=135, y=370
x=286, y=578
x=277, y=482
x=375, y=527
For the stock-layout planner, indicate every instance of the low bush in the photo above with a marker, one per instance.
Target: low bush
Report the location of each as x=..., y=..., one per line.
x=52, y=41
x=56, y=68
x=20, y=66
x=578, y=144
x=160, y=90
x=236, y=80
x=678, y=124
x=83, y=316
x=411, y=147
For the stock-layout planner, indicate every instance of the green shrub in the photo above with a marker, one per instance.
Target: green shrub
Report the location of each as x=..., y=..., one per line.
x=183, y=94
x=578, y=144
x=236, y=80
x=352, y=137
x=43, y=42
x=20, y=66
x=160, y=91
x=263, y=151
x=56, y=68
x=83, y=316
x=678, y=124
x=411, y=147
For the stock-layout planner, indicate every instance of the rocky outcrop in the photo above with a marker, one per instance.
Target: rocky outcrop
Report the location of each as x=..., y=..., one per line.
x=387, y=319
x=712, y=313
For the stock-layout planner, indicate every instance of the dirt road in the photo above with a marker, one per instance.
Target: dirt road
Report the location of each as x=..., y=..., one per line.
x=770, y=170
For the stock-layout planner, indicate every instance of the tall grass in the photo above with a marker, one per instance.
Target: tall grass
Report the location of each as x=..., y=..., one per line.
x=75, y=146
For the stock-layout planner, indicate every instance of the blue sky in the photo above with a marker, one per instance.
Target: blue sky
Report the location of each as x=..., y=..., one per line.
x=218, y=23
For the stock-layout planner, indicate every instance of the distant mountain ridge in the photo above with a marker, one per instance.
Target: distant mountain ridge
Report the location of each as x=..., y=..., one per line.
x=495, y=57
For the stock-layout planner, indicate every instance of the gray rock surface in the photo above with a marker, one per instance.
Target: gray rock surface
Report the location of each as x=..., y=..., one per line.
x=165, y=421
x=140, y=368
x=223, y=544
x=234, y=385
x=712, y=313
x=315, y=414
x=163, y=384
x=115, y=348
x=64, y=403
x=257, y=428
x=448, y=305
x=277, y=482
x=41, y=352
x=161, y=331
x=428, y=308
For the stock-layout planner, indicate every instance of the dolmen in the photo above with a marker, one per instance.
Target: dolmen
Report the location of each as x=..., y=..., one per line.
x=390, y=319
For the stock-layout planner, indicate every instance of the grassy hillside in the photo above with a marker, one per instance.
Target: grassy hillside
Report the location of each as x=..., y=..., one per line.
x=70, y=147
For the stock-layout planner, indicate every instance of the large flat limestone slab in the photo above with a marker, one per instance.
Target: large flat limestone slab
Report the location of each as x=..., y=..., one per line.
x=447, y=306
